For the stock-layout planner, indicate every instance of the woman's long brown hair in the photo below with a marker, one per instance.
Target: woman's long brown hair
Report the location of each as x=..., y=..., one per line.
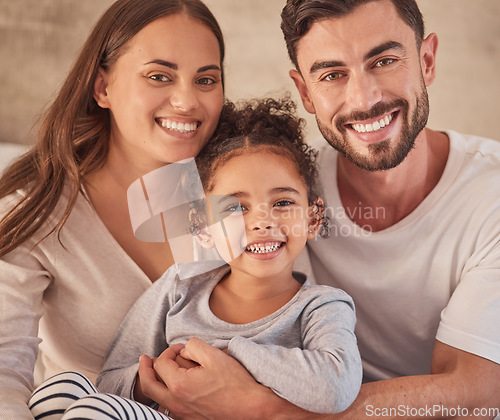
x=74, y=134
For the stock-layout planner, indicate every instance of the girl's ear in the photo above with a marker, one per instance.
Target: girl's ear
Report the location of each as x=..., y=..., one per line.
x=317, y=215
x=100, y=88
x=198, y=229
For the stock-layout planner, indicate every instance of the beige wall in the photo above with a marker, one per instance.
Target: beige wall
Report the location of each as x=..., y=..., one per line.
x=39, y=39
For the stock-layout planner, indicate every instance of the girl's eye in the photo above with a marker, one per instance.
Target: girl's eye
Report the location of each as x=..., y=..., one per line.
x=283, y=203
x=234, y=208
x=159, y=78
x=384, y=62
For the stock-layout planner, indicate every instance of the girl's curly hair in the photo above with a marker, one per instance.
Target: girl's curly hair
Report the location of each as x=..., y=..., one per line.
x=257, y=124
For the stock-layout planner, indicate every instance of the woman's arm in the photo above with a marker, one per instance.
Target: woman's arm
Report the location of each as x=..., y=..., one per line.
x=142, y=331
x=22, y=284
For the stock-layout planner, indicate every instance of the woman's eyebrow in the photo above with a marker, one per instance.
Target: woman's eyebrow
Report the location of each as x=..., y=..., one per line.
x=174, y=66
x=165, y=63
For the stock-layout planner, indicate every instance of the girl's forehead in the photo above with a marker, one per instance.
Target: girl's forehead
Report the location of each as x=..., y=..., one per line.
x=259, y=170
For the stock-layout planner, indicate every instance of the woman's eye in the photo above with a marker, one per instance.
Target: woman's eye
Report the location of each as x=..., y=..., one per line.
x=159, y=78
x=206, y=81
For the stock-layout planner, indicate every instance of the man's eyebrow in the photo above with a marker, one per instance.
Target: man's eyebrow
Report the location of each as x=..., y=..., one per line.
x=321, y=65
x=174, y=66
x=390, y=45
x=328, y=64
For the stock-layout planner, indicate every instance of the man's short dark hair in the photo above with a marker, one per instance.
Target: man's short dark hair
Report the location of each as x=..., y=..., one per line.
x=298, y=16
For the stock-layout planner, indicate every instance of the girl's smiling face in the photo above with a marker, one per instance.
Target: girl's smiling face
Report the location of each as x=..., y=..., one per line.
x=267, y=191
x=164, y=92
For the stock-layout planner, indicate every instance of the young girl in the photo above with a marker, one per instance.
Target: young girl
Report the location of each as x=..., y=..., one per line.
x=293, y=337
x=145, y=90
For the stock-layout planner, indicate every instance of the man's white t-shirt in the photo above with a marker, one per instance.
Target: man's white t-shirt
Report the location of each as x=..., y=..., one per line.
x=435, y=274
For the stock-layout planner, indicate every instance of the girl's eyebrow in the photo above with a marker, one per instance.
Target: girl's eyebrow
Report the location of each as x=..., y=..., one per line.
x=229, y=197
x=237, y=194
x=285, y=190
x=174, y=66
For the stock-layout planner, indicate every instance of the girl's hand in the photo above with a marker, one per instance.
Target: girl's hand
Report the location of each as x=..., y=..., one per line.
x=185, y=363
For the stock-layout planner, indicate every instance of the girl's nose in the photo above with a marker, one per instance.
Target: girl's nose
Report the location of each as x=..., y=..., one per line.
x=262, y=226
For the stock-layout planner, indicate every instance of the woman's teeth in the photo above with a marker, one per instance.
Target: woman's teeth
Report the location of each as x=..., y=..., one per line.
x=264, y=248
x=178, y=126
x=377, y=125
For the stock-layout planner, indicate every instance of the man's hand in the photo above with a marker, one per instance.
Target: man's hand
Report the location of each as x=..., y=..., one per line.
x=200, y=381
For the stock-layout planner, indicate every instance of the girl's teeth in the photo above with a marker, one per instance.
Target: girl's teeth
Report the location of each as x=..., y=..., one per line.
x=377, y=125
x=180, y=127
x=263, y=249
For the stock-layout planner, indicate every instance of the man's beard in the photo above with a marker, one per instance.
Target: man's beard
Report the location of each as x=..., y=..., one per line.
x=381, y=155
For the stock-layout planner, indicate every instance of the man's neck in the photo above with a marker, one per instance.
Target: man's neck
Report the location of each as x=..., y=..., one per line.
x=383, y=198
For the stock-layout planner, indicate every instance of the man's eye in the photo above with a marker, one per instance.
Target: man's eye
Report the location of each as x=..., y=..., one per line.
x=332, y=77
x=384, y=62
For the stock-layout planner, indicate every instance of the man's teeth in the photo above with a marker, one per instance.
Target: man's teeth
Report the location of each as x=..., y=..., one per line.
x=263, y=248
x=178, y=126
x=377, y=125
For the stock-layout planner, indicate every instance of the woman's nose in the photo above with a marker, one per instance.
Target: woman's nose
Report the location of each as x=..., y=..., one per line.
x=184, y=99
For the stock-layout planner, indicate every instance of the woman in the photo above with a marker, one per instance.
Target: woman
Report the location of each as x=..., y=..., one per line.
x=146, y=90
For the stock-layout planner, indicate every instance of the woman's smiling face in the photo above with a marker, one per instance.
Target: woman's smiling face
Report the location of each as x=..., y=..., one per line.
x=164, y=92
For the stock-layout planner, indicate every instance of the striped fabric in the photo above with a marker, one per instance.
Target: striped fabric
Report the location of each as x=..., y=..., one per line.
x=71, y=395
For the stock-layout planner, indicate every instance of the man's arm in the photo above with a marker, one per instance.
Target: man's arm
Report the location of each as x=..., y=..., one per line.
x=221, y=388
x=458, y=380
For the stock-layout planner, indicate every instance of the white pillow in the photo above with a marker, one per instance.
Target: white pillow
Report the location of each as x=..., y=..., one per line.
x=8, y=152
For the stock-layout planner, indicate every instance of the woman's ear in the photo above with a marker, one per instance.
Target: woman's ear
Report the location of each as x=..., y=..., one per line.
x=100, y=88
x=316, y=217
x=199, y=230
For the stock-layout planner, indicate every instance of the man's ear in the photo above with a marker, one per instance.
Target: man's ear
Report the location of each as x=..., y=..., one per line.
x=100, y=88
x=199, y=230
x=316, y=217
x=302, y=88
x=428, y=52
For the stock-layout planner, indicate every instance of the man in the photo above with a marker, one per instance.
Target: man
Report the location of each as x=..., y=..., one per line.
x=416, y=227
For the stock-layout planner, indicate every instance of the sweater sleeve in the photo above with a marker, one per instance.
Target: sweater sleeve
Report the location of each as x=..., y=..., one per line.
x=325, y=374
x=22, y=284
x=142, y=331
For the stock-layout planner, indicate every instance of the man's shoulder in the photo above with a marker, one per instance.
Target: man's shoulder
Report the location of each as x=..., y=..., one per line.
x=473, y=144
